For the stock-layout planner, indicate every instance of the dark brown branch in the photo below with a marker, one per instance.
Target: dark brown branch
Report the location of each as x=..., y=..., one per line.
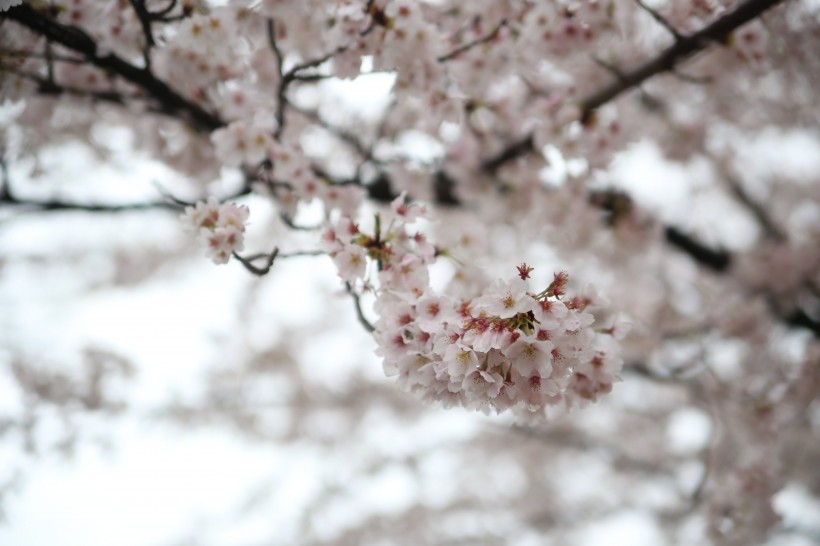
x=293, y=74
x=9, y=199
x=771, y=230
x=280, y=93
x=716, y=260
x=76, y=40
x=161, y=14
x=514, y=151
x=259, y=271
x=270, y=258
x=801, y=319
x=46, y=86
x=683, y=48
x=144, y=17
x=660, y=19
x=54, y=205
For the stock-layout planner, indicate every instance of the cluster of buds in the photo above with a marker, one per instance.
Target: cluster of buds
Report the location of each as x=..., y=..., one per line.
x=220, y=227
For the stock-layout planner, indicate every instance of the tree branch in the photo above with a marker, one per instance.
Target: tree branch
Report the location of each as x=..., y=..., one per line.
x=683, y=48
x=259, y=271
x=715, y=259
x=469, y=45
x=144, y=17
x=359, y=313
x=76, y=40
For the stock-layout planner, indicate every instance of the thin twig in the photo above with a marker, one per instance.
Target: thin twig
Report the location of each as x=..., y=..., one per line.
x=683, y=48
x=469, y=45
x=291, y=74
x=144, y=17
x=660, y=19
x=760, y=214
x=689, y=78
x=159, y=15
x=259, y=271
x=280, y=93
x=359, y=313
x=288, y=221
x=77, y=40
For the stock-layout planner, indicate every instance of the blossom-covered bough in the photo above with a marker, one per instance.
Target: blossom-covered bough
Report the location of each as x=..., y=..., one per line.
x=496, y=147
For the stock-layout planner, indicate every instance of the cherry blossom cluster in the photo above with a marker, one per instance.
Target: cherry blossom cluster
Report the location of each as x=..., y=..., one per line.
x=508, y=347
x=219, y=227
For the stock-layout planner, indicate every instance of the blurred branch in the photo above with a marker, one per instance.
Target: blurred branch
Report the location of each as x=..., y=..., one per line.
x=801, y=319
x=260, y=271
x=9, y=199
x=47, y=86
x=715, y=259
x=77, y=40
x=270, y=258
x=760, y=214
x=48, y=205
x=145, y=19
x=293, y=74
x=660, y=19
x=359, y=313
x=478, y=41
x=683, y=48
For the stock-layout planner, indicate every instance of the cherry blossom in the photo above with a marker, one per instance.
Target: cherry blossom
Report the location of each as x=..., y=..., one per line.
x=507, y=133
x=219, y=227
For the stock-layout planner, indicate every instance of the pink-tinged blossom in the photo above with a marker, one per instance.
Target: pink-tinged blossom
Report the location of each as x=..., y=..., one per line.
x=408, y=212
x=434, y=312
x=550, y=314
x=220, y=227
x=460, y=360
x=204, y=214
x=506, y=349
x=507, y=298
x=530, y=356
x=479, y=384
x=350, y=263
x=221, y=242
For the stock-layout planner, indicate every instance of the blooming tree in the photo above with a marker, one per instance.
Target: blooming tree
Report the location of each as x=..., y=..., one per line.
x=474, y=217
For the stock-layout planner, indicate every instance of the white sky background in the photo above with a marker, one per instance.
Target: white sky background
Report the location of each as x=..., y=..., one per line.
x=160, y=485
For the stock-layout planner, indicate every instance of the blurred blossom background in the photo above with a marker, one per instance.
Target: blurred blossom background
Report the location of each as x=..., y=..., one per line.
x=150, y=398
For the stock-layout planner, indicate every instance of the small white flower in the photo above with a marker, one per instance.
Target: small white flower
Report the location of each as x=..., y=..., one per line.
x=507, y=299
x=219, y=227
x=351, y=263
